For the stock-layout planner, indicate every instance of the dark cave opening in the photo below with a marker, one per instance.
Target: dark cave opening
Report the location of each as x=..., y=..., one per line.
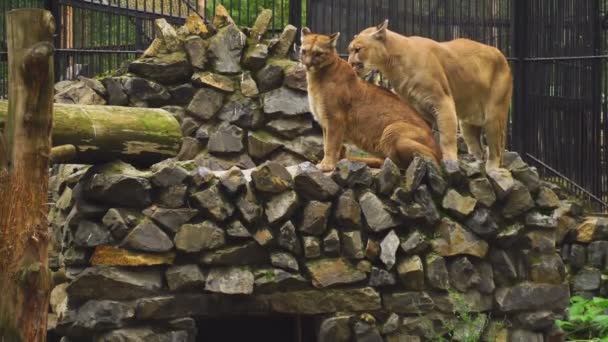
x=256, y=328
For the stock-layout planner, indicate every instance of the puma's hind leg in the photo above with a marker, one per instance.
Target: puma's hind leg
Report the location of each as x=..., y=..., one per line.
x=472, y=137
x=405, y=148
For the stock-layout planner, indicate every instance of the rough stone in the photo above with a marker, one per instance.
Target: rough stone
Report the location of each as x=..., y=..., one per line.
x=118, y=183
x=236, y=229
x=388, y=177
x=261, y=144
x=482, y=222
x=529, y=297
x=169, y=175
x=331, y=243
x=546, y=198
x=411, y=272
x=199, y=237
x=503, y=265
x=546, y=268
x=91, y=234
x=288, y=239
x=538, y=220
x=312, y=247
x=453, y=240
x=264, y=237
x=376, y=213
x=114, y=256
x=196, y=50
x=213, y=203
x=352, y=174
x=593, y=228
x=250, y=253
x=539, y=240
x=528, y=176
x=285, y=261
x=76, y=257
x=286, y=40
x=486, y=274
x=482, y=190
x=463, y=274
x=281, y=206
x=100, y=315
x=241, y=111
x=414, y=174
x=458, y=205
x=408, y=302
x=312, y=184
x=142, y=334
x=435, y=179
x=115, y=283
x=314, y=217
x=437, y=275
x=284, y=100
x=295, y=78
x=225, y=49
x=379, y=277
x=247, y=205
x=171, y=68
x=248, y=86
x=233, y=181
x=148, y=237
x=388, y=249
x=269, y=78
x=335, y=329
x=190, y=148
x=328, y=272
x=518, y=201
x=255, y=57
x=502, y=181
x=291, y=127
x=116, y=94
x=366, y=332
x=271, y=177
x=314, y=302
x=79, y=93
x=348, y=211
x=230, y=280
x=205, y=103
x=538, y=320
x=422, y=196
x=272, y=280
x=185, y=277
x=226, y=139
x=586, y=279
x=414, y=243
x=597, y=251
x=352, y=245
x=189, y=126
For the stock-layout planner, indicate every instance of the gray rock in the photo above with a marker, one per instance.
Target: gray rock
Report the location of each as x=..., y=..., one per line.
x=250, y=253
x=287, y=159
x=414, y=174
x=100, y=315
x=290, y=128
x=312, y=247
x=295, y=78
x=189, y=126
x=213, y=203
x=272, y=280
x=314, y=302
x=528, y=176
x=79, y=93
x=529, y=297
x=172, y=196
x=76, y=257
x=288, y=238
x=539, y=241
x=166, y=69
x=486, y=274
x=119, y=184
x=205, y=103
x=178, y=112
x=388, y=249
x=388, y=177
x=348, y=211
x=411, y=272
x=352, y=245
x=309, y=147
x=376, y=213
x=148, y=237
x=269, y=78
x=328, y=272
x=314, y=217
x=366, y=332
x=422, y=196
x=247, y=205
x=185, y=277
x=546, y=198
x=596, y=253
x=454, y=240
x=587, y=279
x=116, y=94
x=284, y=100
x=281, y=206
x=91, y=234
x=331, y=243
x=379, y=278
x=408, y=302
x=352, y=174
x=482, y=222
x=190, y=148
x=261, y=144
x=236, y=229
x=538, y=220
x=510, y=235
x=281, y=49
x=230, y=280
x=143, y=334
x=225, y=49
x=169, y=175
x=392, y=323
x=285, y=261
x=482, y=190
x=255, y=57
x=312, y=184
x=227, y=139
x=233, y=181
x=199, y=237
x=182, y=94
x=203, y=133
x=504, y=267
x=545, y=268
x=241, y=111
x=463, y=274
x=335, y=329
x=248, y=86
x=503, y=182
x=196, y=50
x=519, y=335
x=458, y=205
x=271, y=177
x=435, y=179
x=518, y=201
x=437, y=275
x=414, y=243
x=470, y=168
x=538, y=320
x=115, y=283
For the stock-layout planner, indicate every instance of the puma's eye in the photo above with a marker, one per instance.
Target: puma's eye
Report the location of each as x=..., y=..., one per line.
x=303, y=51
x=317, y=53
x=357, y=50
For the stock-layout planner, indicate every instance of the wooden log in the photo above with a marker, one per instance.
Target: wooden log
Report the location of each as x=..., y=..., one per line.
x=24, y=275
x=141, y=136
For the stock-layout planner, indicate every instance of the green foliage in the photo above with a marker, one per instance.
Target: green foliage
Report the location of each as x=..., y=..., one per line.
x=587, y=319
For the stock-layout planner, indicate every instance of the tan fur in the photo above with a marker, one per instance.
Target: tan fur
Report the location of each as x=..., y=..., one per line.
x=446, y=82
x=349, y=108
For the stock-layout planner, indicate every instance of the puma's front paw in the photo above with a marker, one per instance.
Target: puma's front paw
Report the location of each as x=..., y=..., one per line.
x=326, y=166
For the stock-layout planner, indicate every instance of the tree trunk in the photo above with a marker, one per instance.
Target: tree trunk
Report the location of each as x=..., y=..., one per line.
x=24, y=275
x=142, y=136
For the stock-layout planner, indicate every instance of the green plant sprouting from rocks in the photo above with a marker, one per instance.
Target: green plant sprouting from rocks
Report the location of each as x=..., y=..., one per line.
x=587, y=319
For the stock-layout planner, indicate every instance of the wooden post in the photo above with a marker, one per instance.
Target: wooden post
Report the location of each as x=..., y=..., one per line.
x=24, y=275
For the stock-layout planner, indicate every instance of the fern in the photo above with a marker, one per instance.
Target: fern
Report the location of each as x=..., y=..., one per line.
x=587, y=319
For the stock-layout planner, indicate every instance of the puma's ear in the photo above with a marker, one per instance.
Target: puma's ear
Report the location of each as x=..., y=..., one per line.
x=305, y=32
x=333, y=38
x=381, y=30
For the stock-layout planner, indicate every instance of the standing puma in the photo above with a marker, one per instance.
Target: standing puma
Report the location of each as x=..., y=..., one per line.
x=459, y=79
x=345, y=106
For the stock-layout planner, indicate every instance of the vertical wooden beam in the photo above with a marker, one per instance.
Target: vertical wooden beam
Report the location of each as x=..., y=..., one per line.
x=24, y=276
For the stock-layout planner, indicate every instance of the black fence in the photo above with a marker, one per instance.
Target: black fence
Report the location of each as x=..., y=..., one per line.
x=558, y=51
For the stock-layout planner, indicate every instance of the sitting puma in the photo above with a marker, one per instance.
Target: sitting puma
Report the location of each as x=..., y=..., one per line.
x=345, y=106
x=459, y=79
